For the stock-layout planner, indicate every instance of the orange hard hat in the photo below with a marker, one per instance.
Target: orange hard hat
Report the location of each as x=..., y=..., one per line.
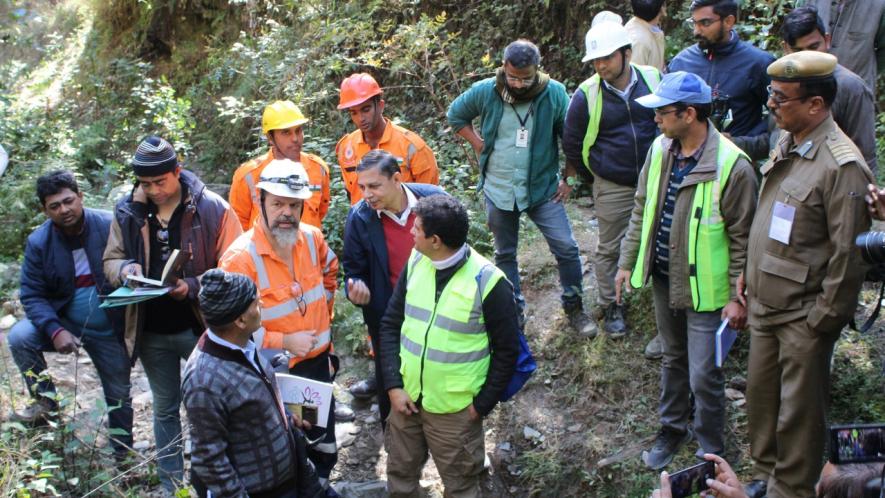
x=356, y=89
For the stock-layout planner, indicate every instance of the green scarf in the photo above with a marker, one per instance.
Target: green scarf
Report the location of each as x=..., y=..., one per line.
x=541, y=80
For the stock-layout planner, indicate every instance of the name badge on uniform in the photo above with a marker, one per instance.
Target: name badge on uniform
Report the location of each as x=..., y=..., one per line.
x=522, y=137
x=782, y=222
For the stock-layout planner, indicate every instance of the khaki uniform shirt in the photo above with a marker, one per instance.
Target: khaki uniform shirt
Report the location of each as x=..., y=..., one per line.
x=648, y=43
x=817, y=274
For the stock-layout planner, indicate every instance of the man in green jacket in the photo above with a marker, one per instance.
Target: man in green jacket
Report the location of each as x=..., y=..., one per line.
x=522, y=111
x=694, y=205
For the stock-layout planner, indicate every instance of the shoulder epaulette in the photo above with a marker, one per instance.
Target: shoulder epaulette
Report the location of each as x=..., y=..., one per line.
x=842, y=152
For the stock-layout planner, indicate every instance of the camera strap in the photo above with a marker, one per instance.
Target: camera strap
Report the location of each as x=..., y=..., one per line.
x=872, y=319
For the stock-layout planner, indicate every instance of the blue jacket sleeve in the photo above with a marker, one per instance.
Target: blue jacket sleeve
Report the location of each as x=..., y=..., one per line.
x=355, y=258
x=464, y=109
x=34, y=290
x=576, y=121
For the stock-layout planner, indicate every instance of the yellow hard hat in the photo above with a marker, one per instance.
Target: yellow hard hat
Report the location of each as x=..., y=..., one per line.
x=281, y=115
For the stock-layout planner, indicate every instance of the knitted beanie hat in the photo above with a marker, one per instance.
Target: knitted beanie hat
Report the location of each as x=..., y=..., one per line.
x=154, y=157
x=225, y=296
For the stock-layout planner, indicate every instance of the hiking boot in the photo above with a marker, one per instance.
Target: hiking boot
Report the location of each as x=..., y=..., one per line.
x=579, y=321
x=614, y=324
x=654, y=350
x=38, y=413
x=364, y=389
x=756, y=488
x=666, y=445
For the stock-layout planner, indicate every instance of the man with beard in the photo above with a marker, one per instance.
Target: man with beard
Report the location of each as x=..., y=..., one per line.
x=362, y=98
x=283, y=124
x=61, y=280
x=608, y=133
x=803, y=274
x=169, y=209
x=734, y=69
x=522, y=111
x=296, y=276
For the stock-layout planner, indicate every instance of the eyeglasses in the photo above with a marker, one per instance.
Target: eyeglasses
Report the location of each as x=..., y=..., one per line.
x=778, y=100
x=298, y=295
x=294, y=182
x=524, y=81
x=659, y=112
x=705, y=23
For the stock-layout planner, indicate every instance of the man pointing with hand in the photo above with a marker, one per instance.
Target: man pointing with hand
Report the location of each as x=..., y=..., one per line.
x=377, y=243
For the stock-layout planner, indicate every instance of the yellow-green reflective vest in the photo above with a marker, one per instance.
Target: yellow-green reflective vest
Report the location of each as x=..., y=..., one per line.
x=444, y=348
x=592, y=90
x=707, y=239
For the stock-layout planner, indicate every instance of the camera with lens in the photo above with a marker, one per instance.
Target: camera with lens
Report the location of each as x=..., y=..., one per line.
x=872, y=250
x=720, y=114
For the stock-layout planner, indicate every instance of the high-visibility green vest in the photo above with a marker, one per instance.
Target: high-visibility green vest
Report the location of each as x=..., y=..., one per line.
x=444, y=348
x=592, y=90
x=708, y=256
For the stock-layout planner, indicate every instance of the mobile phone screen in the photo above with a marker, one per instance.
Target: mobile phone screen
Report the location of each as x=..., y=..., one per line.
x=692, y=480
x=857, y=443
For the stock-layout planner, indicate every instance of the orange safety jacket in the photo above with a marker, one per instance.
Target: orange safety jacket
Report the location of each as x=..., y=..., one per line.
x=417, y=162
x=245, y=200
x=289, y=303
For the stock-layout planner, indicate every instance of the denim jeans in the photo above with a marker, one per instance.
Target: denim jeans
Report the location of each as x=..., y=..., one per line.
x=551, y=220
x=161, y=355
x=109, y=356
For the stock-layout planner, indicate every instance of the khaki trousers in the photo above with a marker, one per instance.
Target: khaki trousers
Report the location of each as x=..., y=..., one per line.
x=456, y=443
x=788, y=388
x=614, y=205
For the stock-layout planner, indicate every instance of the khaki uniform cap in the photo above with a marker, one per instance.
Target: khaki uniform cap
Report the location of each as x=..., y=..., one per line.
x=804, y=65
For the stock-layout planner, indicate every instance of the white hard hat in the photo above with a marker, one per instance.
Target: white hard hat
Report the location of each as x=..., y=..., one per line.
x=606, y=16
x=604, y=39
x=285, y=178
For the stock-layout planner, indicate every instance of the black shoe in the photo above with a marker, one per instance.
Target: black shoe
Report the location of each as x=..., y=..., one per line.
x=666, y=445
x=343, y=413
x=756, y=488
x=365, y=389
x=579, y=320
x=614, y=324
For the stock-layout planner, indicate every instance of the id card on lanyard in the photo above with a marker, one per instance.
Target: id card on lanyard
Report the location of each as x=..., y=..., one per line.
x=522, y=134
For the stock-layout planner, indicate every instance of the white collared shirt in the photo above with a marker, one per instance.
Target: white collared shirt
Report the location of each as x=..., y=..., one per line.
x=626, y=93
x=249, y=350
x=402, y=218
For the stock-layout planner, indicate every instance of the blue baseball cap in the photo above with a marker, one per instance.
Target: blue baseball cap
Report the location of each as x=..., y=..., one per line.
x=679, y=86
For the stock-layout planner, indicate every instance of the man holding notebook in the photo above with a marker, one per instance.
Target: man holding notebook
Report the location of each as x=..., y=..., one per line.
x=169, y=209
x=688, y=233
x=296, y=273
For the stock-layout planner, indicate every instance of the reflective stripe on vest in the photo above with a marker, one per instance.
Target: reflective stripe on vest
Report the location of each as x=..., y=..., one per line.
x=592, y=89
x=293, y=306
x=250, y=182
x=444, y=348
x=708, y=254
x=410, y=153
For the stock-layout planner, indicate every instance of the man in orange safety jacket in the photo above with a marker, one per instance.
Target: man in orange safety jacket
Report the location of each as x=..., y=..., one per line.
x=361, y=97
x=282, y=124
x=295, y=272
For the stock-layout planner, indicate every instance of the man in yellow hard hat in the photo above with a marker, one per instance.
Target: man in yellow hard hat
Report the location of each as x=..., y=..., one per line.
x=282, y=124
x=362, y=98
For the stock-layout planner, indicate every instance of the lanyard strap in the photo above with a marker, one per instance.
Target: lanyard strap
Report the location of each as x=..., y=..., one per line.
x=523, y=120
